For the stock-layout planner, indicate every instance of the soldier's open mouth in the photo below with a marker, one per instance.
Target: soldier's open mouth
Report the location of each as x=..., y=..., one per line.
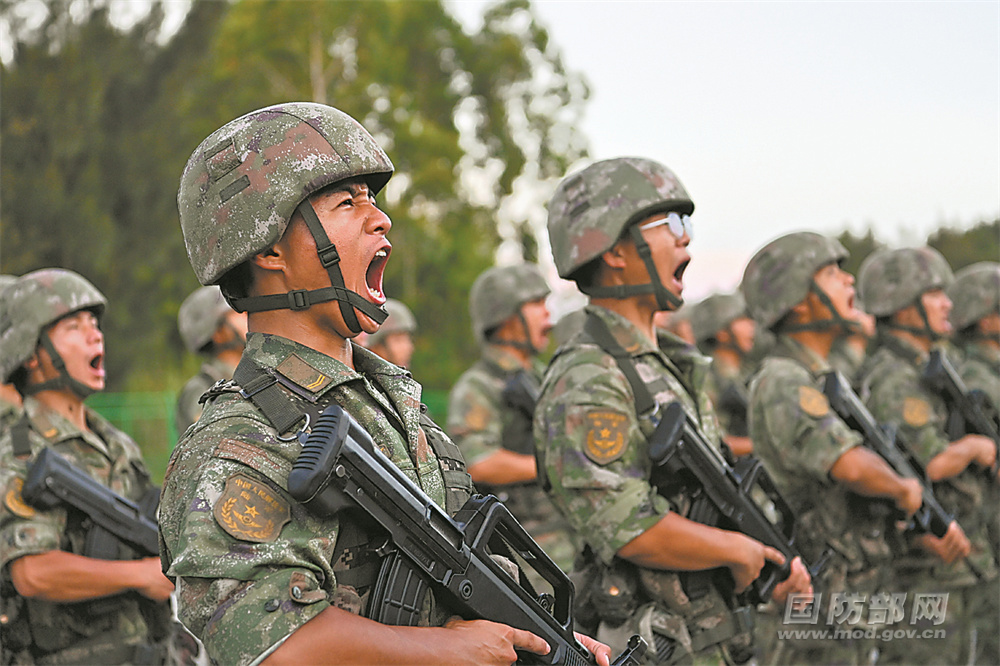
x=97, y=362
x=679, y=273
x=373, y=276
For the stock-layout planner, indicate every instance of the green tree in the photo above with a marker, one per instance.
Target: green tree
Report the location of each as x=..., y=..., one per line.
x=962, y=247
x=859, y=248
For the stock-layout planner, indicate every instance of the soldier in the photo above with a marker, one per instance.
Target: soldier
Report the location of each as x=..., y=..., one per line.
x=278, y=208
x=975, y=317
x=794, y=286
x=851, y=347
x=10, y=399
x=620, y=229
x=723, y=330
x=393, y=341
x=63, y=606
x=491, y=406
x=905, y=289
x=209, y=327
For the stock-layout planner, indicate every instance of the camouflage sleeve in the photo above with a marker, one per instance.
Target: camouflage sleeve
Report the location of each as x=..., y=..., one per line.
x=474, y=417
x=595, y=452
x=792, y=425
x=24, y=530
x=188, y=409
x=252, y=566
x=896, y=397
x=978, y=375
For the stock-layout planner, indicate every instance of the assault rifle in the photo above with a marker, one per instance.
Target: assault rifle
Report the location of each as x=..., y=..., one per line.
x=340, y=469
x=52, y=480
x=968, y=411
x=737, y=496
x=931, y=518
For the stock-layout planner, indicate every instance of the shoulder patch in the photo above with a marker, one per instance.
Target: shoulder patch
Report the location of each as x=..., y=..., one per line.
x=303, y=374
x=916, y=412
x=13, y=500
x=606, y=432
x=477, y=417
x=250, y=511
x=812, y=402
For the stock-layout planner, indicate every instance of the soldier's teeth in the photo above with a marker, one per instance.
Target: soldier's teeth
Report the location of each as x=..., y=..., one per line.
x=380, y=253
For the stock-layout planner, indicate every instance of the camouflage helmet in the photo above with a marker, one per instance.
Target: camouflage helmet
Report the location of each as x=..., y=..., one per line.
x=893, y=279
x=975, y=294
x=400, y=320
x=499, y=292
x=242, y=185
x=33, y=302
x=715, y=313
x=6, y=281
x=200, y=315
x=780, y=275
x=591, y=209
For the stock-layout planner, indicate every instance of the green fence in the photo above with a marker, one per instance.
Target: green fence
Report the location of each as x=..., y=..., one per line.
x=148, y=417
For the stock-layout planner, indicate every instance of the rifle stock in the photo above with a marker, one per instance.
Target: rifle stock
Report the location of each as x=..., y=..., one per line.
x=340, y=469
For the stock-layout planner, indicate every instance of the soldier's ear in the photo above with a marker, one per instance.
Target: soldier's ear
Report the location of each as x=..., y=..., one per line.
x=615, y=257
x=271, y=259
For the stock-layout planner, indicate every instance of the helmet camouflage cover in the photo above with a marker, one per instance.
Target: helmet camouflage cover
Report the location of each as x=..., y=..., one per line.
x=975, y=294
x=591, y=209
x=780, y=275
x=34, y=301
x=890, y=280
x=400, y=320
x=242, y=184
x=716, y=313
x=499, y=293
x=200, y=315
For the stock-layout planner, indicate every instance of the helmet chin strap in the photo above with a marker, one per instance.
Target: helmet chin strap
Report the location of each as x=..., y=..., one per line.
x=924, y=331
x=301, y=299
x=64, y=380
x=665, y=299
x=524, y=345
x=835, y=319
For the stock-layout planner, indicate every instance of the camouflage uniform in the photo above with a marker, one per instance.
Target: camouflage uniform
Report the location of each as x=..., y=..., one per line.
x=188, y=408
x=892, y=388
x=9, y=411
x=246, y=582
x=976, y=294
x=799, y=439
x=481, y=423
x=251, y=564
x=125, y=628
x=595, y=450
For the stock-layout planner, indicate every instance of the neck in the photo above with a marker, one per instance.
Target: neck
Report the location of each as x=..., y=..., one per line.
x=306, y=330
x=9, y=394
x=521, y=355
x=230, y=357
x=67, y=404
x=921, y=342
x=818, y=341
x=727, y=356
x=632, y=309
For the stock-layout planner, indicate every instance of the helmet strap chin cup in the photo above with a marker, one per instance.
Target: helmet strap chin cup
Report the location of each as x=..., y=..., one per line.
x=833, y=321
x=665, y=299
x=64, y=380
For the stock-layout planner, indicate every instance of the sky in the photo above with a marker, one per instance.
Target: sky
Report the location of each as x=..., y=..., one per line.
x=784, y=116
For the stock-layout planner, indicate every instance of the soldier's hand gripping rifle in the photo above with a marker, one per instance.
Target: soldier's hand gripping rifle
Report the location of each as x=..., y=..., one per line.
x=726, y=496
x=930, y=518
x=340, y=469
x=53, y=481
x=968, y=411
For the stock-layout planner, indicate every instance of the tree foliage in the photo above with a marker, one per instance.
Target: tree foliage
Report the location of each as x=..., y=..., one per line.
x=962, y=247
x=98, y=121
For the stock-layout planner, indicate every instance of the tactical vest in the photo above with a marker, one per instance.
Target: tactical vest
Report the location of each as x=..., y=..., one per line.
x=709, y=618
x=357, y=560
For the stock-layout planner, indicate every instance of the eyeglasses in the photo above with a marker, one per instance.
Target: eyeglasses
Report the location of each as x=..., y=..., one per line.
x=678, y=224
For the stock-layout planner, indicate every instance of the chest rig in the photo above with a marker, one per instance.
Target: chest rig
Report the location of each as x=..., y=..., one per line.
x=357, y=559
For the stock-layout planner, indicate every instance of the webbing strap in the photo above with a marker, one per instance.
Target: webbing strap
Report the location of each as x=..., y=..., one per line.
x=262, y=388
x=19, y=437
x=599, y=333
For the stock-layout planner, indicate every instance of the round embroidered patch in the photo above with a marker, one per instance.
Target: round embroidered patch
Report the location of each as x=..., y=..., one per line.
x=916, y=412
x=605, y=436
x=13, y=500
x=250, y=510
x=812, y=402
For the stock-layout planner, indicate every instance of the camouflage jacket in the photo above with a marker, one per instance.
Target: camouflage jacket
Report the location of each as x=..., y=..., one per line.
x=251, y=564
x=730, y=394
x=799, y=439
x=188, y=408
x=892, y=388
x=81, y=632
x=980, y=370
x=594, y=449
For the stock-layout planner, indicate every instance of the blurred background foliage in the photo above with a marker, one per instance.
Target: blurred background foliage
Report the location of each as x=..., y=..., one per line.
x=99, y=115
